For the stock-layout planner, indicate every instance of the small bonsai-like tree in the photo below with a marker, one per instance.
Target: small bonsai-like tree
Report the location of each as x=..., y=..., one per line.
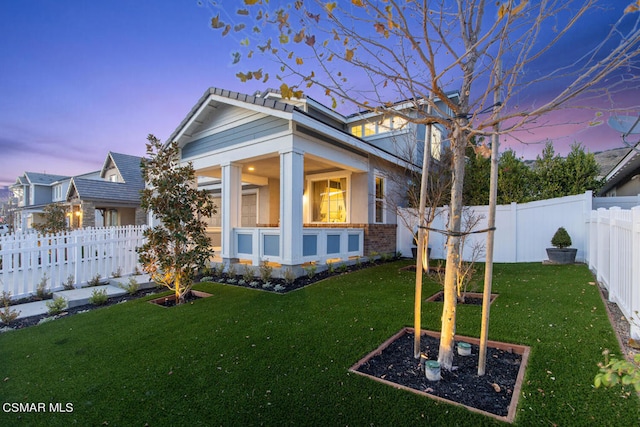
x=177, y=247
x=561, y=239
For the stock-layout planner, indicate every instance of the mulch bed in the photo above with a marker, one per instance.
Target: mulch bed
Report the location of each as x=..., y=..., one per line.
x=491, y=394
x=34, y=320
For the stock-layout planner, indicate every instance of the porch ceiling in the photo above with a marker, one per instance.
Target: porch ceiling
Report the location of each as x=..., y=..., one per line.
x=269, y=167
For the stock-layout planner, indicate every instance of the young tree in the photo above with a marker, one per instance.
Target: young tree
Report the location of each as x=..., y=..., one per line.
x=55, y=219
x=372, y=53
x=178, y=245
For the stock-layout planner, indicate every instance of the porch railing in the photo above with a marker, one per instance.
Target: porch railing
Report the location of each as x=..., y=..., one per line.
x=318, y=244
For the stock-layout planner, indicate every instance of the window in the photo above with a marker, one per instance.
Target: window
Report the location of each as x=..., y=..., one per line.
x=376, y=127
x=329, y=200
x=113, y=178
x=379, y=200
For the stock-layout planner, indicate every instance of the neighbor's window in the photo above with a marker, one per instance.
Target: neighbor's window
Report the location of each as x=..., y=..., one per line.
x=379, y=200
x=329, y=200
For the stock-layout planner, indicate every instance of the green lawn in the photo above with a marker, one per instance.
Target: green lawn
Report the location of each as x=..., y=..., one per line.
x=246, y=357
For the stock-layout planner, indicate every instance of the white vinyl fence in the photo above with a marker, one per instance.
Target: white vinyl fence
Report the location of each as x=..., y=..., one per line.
x=614, y=256
x=523, y=230
x=84, y=253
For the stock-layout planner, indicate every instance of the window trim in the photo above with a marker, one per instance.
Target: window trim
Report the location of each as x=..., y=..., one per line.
x=310, y=179
x=378, y=175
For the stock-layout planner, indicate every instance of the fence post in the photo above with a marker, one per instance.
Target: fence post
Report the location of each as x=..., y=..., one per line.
x=635, y=272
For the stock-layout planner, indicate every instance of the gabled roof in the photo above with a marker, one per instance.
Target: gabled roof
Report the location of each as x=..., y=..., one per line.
x=43, y=178
x=258, y=99
x=125, y=192
x=127, y=165
x=91, y=189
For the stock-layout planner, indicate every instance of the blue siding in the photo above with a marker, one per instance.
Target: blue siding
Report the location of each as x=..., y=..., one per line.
x=257, y=129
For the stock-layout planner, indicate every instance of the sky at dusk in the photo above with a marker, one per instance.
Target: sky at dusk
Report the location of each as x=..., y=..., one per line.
x=81, y=78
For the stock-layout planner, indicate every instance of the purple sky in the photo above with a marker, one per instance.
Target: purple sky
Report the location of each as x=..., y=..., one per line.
x=81, y=78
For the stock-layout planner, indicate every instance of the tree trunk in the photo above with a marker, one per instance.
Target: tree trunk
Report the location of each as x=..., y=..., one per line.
x=448, y=331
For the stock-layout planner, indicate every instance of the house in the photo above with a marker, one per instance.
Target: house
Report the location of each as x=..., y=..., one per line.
x=110, y=196
x=296, y=182
x=624, y=178
x=33, y=191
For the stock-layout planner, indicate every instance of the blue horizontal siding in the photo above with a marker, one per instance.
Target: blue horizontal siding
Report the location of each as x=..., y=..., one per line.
x=259, y=128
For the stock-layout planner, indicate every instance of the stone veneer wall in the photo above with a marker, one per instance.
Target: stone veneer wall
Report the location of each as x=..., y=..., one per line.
x=380, y=238
x=88, y=214
x=141, y=216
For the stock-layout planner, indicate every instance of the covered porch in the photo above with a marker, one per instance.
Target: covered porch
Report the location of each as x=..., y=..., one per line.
x=287, y=208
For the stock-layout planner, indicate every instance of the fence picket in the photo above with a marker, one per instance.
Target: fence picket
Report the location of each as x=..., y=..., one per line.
x=84, y=253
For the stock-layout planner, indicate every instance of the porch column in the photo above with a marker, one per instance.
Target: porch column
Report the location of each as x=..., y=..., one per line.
x=231, y=199
x=291, y=222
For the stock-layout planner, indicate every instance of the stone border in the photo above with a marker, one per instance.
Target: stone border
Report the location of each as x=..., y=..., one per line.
x=515, y=348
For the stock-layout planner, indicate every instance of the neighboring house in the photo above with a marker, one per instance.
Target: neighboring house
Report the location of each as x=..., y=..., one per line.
x=111, y=198
x=296, y=182
x=33, y=191
x=107, y=197
x=624, y=178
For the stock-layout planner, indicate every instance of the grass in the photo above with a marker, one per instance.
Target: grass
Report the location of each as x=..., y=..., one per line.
x=245, y=357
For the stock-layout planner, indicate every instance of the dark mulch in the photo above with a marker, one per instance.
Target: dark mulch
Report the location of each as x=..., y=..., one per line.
x=468, y=300
x=279, y=285
x=490, y=393
x=34, y=320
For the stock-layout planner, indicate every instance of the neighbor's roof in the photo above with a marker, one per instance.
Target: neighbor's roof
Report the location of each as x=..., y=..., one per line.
x=125, y=192
x=627, y=166
x=43, y=178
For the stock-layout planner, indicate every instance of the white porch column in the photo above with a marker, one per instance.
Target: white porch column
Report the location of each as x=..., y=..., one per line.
x=231, y=201
x=291, y=221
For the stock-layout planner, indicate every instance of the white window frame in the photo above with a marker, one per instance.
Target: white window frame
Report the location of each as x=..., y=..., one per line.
x=377, y=175
x=324, y=177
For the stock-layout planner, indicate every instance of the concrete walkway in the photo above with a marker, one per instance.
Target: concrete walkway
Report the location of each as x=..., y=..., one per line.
x=75, y=297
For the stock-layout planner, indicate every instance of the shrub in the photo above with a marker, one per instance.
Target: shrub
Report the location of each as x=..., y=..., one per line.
x=278, y=288
x=69, y=284
x=618, y=371
x=561, y=239
x=342, y=268
x=265, y=271
x=311, y=270
x=247, y=274
x=7, y=314
x=56, y=305
x=98, y=297
x=131, y=286
x=95, y=281
x=288, y=276
x=206, y=279
x=41, y=290
x=218, y=269
x=117, y=273
x=231, y=270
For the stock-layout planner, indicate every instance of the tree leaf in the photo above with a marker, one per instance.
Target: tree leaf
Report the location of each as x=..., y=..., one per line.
x=330, y=7
x=349, y=55
x=216, y=23
x=358, y=3
x=243, y=12
x=299, y=61
x=299, y=36
x=310, y=40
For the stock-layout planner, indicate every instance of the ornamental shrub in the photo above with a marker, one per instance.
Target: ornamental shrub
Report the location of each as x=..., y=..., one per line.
x=561, y=239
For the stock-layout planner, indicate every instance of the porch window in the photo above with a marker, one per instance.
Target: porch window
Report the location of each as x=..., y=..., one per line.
x=379, y=200
x=329, y=200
